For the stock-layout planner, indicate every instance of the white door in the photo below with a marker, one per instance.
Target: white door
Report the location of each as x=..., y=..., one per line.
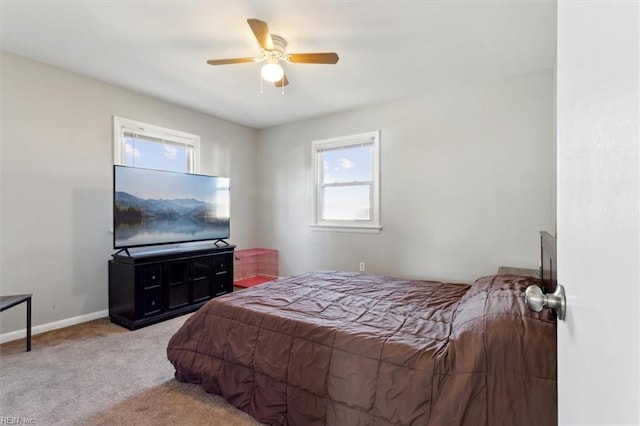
x=598, y=197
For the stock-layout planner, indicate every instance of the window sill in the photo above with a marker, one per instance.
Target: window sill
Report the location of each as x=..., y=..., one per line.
x=365, y=229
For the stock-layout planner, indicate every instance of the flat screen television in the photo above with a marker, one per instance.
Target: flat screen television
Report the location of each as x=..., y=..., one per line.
x=153, y=207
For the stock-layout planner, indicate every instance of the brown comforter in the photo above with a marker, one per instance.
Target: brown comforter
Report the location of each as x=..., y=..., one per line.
x=348, y=349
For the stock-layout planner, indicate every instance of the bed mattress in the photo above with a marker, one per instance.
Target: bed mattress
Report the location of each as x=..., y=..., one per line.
x=337, y=348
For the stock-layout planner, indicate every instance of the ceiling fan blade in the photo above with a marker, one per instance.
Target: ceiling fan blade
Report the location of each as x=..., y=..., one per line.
x=230, y=61
x=282, y=82
x=314, y=58
x=261, y=31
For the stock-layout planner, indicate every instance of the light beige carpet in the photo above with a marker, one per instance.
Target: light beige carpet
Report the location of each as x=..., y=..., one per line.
x=102, y=374
x=171, y=403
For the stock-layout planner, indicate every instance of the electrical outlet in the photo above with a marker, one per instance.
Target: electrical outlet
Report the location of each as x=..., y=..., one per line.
x=361, y=266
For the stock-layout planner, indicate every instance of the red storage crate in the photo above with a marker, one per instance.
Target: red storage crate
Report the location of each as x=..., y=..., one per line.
x=254, y=266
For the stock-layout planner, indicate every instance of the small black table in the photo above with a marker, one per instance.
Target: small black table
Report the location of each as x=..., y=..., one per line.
x=7, y=302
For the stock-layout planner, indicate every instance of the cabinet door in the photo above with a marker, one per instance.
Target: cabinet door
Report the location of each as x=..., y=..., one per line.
x=202, y=278
x=176, y=278
x=223, y=267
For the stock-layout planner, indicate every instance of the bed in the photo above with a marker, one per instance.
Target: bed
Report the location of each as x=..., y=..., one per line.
x=340, y=348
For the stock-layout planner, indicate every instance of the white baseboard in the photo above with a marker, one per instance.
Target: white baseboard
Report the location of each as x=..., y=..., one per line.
x=43, y=328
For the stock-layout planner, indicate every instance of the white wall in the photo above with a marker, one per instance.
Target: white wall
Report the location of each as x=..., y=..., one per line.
x=599, y=212
x=56, y=194
x=467, y=183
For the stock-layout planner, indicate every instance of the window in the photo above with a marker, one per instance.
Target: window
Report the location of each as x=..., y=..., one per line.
x=346, y=188
x=143, y=145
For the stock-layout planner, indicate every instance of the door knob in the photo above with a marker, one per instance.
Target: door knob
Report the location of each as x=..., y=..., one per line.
x=536, y=300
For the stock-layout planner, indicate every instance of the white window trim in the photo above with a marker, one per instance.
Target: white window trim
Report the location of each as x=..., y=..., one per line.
x=371, y=226
x=125, y=125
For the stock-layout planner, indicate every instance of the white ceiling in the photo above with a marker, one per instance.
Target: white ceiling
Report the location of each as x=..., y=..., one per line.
x=388, y=49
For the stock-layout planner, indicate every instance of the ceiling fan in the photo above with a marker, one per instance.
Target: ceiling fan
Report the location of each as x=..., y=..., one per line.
x=272, y=51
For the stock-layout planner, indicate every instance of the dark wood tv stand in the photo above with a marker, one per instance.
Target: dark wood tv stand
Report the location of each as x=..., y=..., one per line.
x=151, y=286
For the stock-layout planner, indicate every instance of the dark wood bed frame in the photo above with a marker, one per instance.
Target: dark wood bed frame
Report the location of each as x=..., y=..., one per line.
x=548, y=262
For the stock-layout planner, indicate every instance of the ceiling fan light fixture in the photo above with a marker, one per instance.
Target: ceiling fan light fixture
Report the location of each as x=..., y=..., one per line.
x=273, y=50
x=272, y=72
